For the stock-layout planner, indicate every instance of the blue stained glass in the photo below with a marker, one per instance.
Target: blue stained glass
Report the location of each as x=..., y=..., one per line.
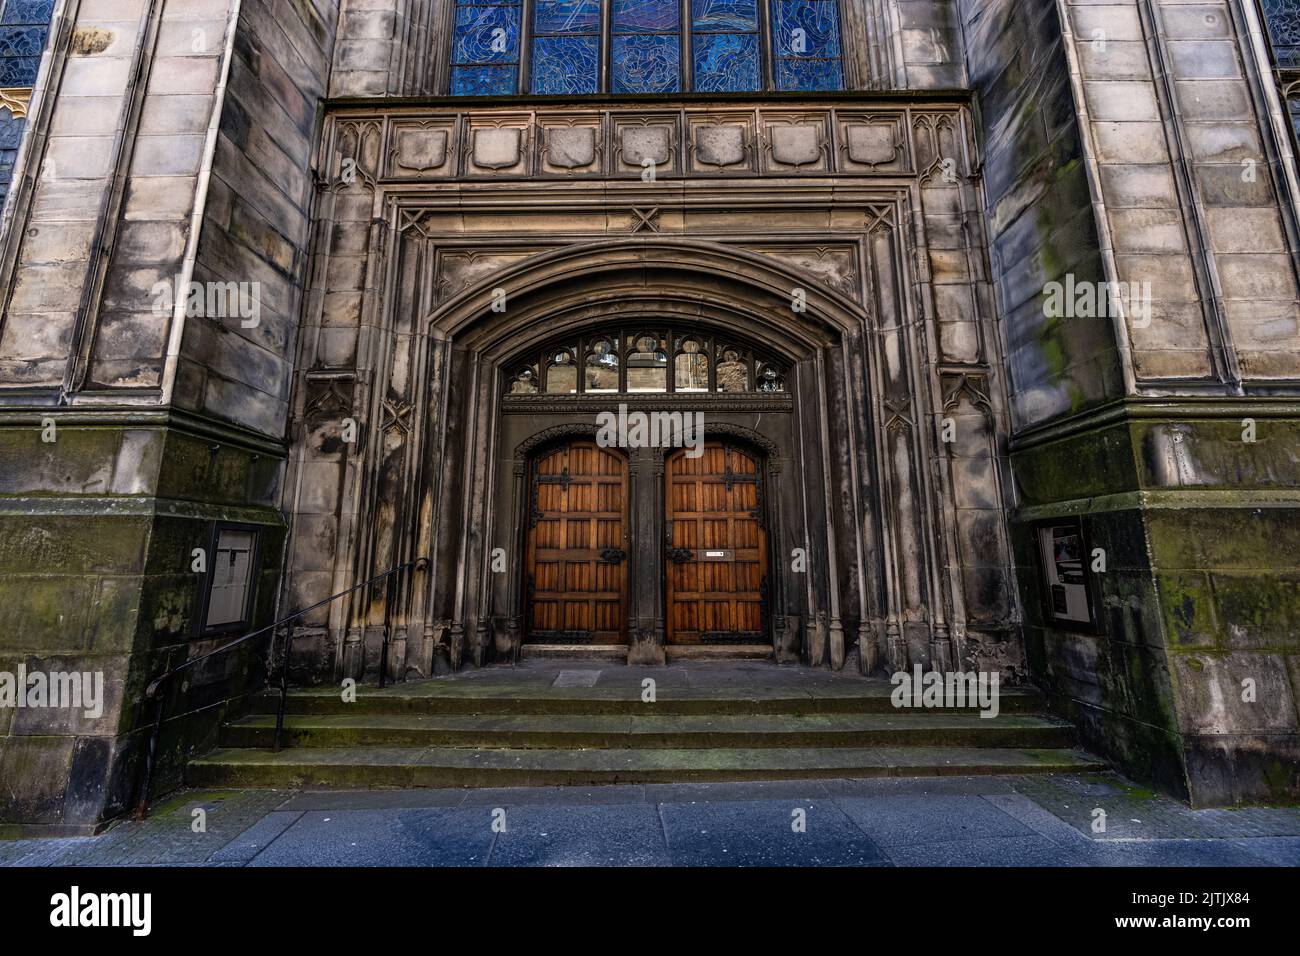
x=486, y=35
x=725, y=62
x=19, y=70
x=815, y=76
x=11, y=134
x=28, y=11
x=817, y=19
x=22, y=41
x=482, y=80
x=645, y=16
x=565, y=64
x=646, y=63
x=11, y=130
x=567, y=16
x=724, y=16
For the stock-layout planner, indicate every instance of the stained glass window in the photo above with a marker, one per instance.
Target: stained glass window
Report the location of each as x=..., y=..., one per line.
x=573, y=47
x=485, y=49
x=566, y=46
x=806, y=45
x=24, y=28
x=725, y=45
x=1283, y=18
x=646, y=361
x=646, y=46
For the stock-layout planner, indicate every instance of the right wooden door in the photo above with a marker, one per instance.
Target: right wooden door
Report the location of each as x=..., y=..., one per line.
x=716, y=560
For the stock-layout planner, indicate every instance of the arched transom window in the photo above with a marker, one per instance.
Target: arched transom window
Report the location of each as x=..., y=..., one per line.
x=646, y=360
x=501, y=47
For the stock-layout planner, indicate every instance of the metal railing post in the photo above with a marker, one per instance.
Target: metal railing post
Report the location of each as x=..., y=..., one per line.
x=157, y=689
x=388, y=628
x=284, y=685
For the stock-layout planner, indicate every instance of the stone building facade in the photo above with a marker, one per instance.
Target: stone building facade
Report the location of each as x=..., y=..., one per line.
x=989, y=308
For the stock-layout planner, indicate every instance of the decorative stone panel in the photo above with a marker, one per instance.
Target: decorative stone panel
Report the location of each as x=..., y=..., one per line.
x=796, y=142
x=643, y=142
x=721, y=144
x=498, y=146
x=872, y=142
x=423, y=149
x=570, y=146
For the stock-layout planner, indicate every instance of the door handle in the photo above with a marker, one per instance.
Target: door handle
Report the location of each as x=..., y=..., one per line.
x=680, y=555
x=613, y=555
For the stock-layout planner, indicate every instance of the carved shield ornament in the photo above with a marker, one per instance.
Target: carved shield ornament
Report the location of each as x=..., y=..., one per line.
x=571, y=147
x=720, y=145
x=421, y=149
x=496, y=148
x=641, y=143
x=872, y=145
x=795, y=145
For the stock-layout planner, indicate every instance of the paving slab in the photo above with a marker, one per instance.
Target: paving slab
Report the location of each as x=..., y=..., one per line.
x=910, y=820
x=1013, y=851
x=547, y=835
x=765, y=833
x=442, y=836
x=1008, y=820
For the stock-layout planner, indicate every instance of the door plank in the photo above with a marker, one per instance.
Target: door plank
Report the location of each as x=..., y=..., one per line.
x=574, y=594
x=714, y=504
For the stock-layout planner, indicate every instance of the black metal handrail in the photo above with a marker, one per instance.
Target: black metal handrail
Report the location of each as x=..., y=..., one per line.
x=156, y=690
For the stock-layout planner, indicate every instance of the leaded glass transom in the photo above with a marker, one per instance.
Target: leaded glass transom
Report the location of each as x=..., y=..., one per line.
x=645, y=360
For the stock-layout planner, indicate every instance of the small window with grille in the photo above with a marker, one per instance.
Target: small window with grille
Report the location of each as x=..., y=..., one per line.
x=231, y=578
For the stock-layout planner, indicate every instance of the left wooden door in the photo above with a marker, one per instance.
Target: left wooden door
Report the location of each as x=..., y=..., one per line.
x=576, y=559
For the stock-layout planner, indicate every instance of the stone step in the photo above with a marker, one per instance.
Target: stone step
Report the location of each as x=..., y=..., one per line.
x=898, y=729
x=389, y=767
x=718, y=652
x=452, y=696
x=574, y=652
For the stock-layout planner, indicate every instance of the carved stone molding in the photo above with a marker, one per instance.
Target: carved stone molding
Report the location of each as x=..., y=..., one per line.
x=356, y=156
x=750, y=435
x=547, y=435
x=624, y=141
x=559, y=404
x=328, y=396
x=973, y=385
x=834, y=265
x=719, y=145
x=16, y=100
x=570, y=148
x=422, y=149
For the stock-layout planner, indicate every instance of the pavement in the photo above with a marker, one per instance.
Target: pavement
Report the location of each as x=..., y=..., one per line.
x=1038, y=820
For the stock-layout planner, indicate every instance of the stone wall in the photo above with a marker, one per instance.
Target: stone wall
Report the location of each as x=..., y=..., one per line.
x=256, y=214
x=388, y=47
x=130, y=423
x=1179, y=459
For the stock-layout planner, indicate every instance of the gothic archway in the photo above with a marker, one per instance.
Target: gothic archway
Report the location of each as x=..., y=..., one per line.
x=464, y=453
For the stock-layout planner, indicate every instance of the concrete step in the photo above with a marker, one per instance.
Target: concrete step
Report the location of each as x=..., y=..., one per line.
x=718, y=652
x=574, y=652
x=461, y=696
x=387, y=767
x=604, y=731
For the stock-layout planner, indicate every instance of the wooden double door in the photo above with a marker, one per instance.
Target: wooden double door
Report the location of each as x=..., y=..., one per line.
x=712, y=558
